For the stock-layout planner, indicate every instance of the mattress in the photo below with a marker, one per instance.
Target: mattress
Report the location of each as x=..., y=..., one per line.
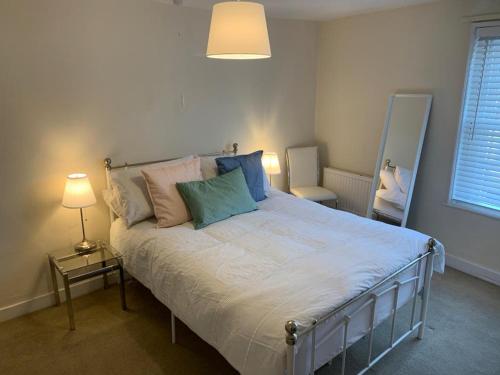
x=388, y=209
x=236, y=282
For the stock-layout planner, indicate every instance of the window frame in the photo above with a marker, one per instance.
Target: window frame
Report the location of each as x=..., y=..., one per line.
x=485, y=211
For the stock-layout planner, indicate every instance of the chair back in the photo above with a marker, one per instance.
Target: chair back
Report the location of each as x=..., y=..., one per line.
x=302, y=165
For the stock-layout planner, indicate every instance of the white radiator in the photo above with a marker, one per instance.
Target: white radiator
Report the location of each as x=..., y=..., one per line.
x=353, y=190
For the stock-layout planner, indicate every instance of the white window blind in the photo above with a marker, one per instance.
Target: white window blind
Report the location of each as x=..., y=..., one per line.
x=476, y=178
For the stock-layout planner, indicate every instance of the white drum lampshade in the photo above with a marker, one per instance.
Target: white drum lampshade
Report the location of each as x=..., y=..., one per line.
x=271, y=163
x=238, y=31
x=78, y=192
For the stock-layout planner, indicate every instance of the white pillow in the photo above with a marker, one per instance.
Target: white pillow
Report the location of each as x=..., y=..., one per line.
x=403, y=178
x=113, y=201
x=129, y=198
x=267, y=185
x=393, y=196
x=388, y=180
x=208, y=167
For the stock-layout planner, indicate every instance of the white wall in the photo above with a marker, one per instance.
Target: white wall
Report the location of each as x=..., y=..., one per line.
x=81, y=80
x=364, y=59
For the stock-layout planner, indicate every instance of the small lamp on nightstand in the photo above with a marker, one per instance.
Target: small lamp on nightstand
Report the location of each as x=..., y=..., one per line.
x=271, y=164
x=78, y=193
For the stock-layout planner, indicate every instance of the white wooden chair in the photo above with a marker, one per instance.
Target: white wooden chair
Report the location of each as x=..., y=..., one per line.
x=303, y=175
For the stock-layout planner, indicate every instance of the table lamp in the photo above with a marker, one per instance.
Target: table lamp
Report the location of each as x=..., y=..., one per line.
x=78, y=193
x=271, y=164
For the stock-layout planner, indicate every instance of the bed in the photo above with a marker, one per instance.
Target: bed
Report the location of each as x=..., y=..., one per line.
x=392, y=209
x=286, y=288
x=388, y=210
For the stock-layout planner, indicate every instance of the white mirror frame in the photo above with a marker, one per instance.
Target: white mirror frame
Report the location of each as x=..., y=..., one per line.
x=376, y=173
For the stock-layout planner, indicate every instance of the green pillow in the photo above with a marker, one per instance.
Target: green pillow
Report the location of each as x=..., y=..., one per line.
x=217, y=198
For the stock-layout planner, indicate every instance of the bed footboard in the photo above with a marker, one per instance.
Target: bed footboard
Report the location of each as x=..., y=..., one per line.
x=366, y=304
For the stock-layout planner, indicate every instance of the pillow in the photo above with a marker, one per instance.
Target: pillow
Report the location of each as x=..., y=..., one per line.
x=218, y=198
x=403, y=178
x=130, y=192
x=209, y=170
x=208, y=167
x=266, y=184
x=388, y=180
x=393, y=196
x=169, y=208
x=112, y=199
x=251, y=166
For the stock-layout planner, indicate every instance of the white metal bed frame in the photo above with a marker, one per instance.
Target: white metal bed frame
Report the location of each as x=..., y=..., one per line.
x=295, y=335
x=112, y=216
x=387, y=285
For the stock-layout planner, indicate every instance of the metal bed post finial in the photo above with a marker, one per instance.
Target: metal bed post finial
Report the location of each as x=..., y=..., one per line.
x=431, y=244
x=107, y=163
x=291, y=332
x=291, y=328
x=388, y=165
x=235, y=148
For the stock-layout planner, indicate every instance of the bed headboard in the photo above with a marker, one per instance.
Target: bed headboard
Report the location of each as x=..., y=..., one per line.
x=388, y=166
x=109, y=167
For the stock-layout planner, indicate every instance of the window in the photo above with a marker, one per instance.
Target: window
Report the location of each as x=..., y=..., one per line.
x=476, y=177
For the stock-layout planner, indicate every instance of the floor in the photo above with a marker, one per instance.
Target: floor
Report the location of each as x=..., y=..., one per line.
x=462, y=337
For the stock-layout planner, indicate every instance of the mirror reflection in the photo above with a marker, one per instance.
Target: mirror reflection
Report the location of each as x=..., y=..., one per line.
x=398, y=158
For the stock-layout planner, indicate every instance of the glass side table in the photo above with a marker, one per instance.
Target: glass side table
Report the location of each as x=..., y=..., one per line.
x=74, y=267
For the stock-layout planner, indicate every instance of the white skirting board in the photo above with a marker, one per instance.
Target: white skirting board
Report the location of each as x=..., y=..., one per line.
x=46, y=300
x=473, y=269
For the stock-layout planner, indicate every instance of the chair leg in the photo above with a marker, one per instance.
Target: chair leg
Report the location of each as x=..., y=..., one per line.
x=172, y=326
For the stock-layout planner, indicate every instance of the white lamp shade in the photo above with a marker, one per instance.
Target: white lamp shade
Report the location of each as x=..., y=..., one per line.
x=238, y=30
x=271, y=163
x=78, y=192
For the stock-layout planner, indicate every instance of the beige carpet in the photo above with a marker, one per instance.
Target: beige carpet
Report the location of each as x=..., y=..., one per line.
x=462, y=337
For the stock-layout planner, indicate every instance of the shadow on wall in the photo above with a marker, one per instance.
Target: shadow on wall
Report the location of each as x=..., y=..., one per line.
x=323, y=158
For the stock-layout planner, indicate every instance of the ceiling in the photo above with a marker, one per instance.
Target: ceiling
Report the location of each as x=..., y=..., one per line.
x=313, y=9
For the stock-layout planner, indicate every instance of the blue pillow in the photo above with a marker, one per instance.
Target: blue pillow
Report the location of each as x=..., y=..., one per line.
x=251, y=165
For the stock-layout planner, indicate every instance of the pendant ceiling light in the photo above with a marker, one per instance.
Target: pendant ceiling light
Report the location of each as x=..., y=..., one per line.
x=238, y=31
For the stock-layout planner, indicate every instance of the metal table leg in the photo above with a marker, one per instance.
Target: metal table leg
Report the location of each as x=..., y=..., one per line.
x=105, y=275
x=69, y=303
x=54, y=282
x=122, y=289
x=172, y=326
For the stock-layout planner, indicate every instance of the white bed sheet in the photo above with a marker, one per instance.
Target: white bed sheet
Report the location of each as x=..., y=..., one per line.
x=235, y=283
x=388, y=209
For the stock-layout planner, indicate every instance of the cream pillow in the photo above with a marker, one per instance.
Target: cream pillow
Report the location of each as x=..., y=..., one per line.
x=168, y=205
x=129, y=197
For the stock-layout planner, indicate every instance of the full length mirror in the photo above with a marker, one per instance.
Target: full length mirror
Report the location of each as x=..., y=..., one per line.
x=398, y=158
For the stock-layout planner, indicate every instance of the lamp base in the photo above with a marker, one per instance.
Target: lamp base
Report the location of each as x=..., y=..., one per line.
x=85, y=246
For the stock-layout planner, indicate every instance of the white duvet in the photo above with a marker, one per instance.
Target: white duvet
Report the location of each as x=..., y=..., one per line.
x=235, y=283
